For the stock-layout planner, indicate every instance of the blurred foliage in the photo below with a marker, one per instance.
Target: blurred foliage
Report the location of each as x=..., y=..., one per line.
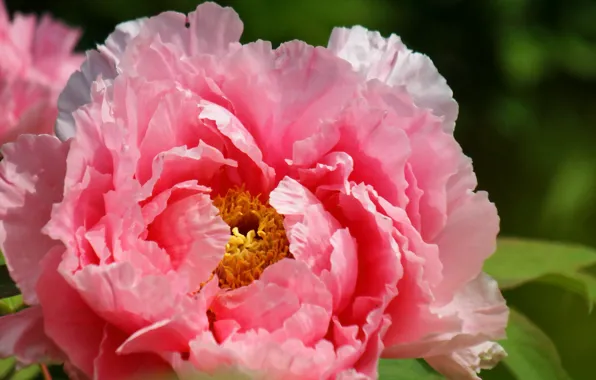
x=524, y=73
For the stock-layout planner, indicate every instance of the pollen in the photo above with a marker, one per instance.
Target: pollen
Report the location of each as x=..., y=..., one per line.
x=258, y=238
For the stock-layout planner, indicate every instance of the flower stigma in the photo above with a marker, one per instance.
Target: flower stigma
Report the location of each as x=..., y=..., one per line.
x=258, y=238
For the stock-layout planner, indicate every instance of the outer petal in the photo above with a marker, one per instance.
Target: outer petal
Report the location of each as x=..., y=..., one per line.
x=477, y=314
x=26, y=107
x=390, y=61
x=110, y=365
x=464, y=364
x=77, y=91
x=54, y=38
x=172, y=334
x=213, y=28
x=118, y=40
x=68, y=321
x=125, y=297
x=52, y=51
x=31, y=181
x=101, y=63
x=470, y=215
x=22, y=335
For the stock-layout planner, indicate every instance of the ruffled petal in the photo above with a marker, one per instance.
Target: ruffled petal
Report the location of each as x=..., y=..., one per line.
x=466, y=363
x=257, y=354
x=256, y=82
x=194, y=236
x=316, y=239
x=477, y=314
x=287, y=300
x=390, y=61
x=31, y=181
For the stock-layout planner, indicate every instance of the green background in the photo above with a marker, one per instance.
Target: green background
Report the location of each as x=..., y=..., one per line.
x=524, y=74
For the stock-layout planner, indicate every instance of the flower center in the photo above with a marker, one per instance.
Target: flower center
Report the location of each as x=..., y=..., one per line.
x=258, y=238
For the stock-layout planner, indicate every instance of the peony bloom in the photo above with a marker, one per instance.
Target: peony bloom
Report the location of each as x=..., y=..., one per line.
x=211, y=207
x=36, y=62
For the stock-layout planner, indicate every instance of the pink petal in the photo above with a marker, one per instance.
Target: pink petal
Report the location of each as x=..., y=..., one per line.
x=467, y=240
x=230, y=127
x=256, y=83
x=83, y=205
x=68, y=320
x=22, y=335
x=165, y=120
x=341, y=277
x=331, y=173
x=125, y=297
x=4, y=17
x=110, y=365
x=213, y=28
x=257, y=355
x=26, y=109
x=373, y=233
x=88, y=150
x=436, y=157
x=316, y=240
x=203, y=163
x=31, y=181
x=53, y=39
x=478, y=313
x=77, y=91
x=117, y=41
x=193, y=234
x=287, y=300
x=466, y=363
x=352, y=374
x=158, y=203
x=309, y=227
x=376, y=284
x=119, y=235
x=22, y=30
x=379, y=147
x=390, y=61
x=173, y=334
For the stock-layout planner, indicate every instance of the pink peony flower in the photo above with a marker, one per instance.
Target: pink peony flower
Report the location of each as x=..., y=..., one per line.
x=36, y=62
x=216, y=208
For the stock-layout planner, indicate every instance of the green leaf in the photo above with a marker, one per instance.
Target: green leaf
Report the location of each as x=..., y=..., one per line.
x=590, y=286
x=519, y=261
x=8, y=370
x=6, y=367
x=531, y=354
x=406, y=369
x=580, y=283
x=11, y=304
x=27, y=373
x=2, y=262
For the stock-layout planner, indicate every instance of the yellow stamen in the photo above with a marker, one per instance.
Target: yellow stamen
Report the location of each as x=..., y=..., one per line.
x=258, y=238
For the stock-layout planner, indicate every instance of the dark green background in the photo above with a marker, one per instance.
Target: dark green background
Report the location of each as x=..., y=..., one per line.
x=524, y=74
